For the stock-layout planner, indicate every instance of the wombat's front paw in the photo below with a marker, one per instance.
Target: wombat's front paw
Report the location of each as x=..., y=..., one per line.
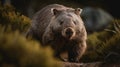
x=74, y=60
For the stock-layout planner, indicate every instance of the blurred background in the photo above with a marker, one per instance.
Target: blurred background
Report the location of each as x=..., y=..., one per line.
x=31, y=6
x=93, y=10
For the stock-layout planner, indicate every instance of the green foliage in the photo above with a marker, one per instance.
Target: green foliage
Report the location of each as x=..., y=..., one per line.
x=16, y=50
x=100, y=44
x=111, y=45
x=93, y=43
x=94, y=40
x=9, y=17
x=114, y=27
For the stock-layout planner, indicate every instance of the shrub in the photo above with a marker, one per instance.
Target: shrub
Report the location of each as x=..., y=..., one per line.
x=9, y=17
x=17, y=51
x=112, y=44
x=100, y=44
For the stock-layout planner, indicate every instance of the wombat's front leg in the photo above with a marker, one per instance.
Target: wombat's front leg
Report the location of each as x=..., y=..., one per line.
x=76, y=51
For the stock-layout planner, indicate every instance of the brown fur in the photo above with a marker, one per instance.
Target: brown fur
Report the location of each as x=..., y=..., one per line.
x=62, y=28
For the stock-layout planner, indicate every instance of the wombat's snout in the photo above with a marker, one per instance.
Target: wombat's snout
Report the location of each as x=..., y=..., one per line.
x=68, y=33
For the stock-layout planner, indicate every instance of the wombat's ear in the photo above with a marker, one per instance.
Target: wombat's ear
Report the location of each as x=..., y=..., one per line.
x=78, y=11
x=55, y=11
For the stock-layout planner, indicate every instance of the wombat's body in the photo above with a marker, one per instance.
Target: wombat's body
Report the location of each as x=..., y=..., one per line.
x=62, y=28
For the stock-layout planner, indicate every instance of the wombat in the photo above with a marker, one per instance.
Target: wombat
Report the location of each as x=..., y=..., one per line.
x=61, y=28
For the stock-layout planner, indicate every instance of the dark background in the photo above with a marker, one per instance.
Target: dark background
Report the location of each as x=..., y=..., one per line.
x=111, y=6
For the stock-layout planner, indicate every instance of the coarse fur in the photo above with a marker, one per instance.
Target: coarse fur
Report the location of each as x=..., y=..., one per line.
x=62, y=28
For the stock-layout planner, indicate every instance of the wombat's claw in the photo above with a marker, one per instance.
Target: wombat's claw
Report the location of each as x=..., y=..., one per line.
x=73, y=60
x=64, y=60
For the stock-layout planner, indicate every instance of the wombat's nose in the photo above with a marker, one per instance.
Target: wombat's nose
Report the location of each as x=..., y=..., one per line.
x=68, y=33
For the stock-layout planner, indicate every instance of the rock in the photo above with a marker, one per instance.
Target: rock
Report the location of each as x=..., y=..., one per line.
x=95, y=19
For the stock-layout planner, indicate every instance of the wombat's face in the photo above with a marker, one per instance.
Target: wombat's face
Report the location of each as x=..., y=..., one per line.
x=66, y=23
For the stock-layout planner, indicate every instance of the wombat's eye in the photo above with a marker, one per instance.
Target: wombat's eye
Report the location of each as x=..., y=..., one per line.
x=74, y=22
x=61, y=22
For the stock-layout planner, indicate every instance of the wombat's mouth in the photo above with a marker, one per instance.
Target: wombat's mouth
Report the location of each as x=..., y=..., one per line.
x=68, y=33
